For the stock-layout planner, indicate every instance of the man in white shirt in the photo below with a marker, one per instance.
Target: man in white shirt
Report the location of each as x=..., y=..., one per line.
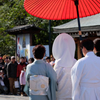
x=85, y=74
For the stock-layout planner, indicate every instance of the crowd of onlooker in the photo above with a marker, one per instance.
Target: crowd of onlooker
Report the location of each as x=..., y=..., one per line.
x=12, y=73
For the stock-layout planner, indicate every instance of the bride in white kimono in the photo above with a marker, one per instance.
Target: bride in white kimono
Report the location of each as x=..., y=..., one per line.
x=63, y=51
x=86, y=75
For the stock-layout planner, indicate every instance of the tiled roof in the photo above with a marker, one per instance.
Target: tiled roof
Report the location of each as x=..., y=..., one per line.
x=91, y=23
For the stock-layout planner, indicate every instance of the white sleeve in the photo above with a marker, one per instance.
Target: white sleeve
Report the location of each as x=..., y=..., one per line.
x=76, y=74
x=58, y=72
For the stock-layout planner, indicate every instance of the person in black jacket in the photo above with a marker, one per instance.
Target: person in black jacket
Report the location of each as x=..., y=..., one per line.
x=97, y=46
x=5, y=64
x=12, y=75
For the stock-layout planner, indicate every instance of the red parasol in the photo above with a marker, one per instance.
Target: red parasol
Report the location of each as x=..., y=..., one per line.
x=62, y=9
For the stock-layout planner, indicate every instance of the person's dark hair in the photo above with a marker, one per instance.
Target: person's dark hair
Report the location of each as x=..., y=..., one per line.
x=25, y=58
x=22, y=58
x=97, y=44
x=9, y=58
x=47, y=58
x=24, y=68
x=6, y=58
x=38, y=51
x=88, y=44
x=32, y=59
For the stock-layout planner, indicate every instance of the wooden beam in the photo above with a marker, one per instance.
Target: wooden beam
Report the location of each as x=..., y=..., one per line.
x=79, y=55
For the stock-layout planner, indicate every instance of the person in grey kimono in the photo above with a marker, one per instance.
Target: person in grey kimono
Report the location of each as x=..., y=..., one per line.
x=39, y=67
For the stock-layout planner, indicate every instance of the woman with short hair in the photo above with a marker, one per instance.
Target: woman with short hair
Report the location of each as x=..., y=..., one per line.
x=36, y=72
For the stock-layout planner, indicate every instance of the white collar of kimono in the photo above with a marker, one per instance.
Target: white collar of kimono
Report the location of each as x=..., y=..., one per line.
x=38, y=60
x=64, y=50
x=90, y=53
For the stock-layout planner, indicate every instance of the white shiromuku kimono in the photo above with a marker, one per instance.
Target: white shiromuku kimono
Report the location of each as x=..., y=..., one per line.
x=63, y=51
x=86, y=78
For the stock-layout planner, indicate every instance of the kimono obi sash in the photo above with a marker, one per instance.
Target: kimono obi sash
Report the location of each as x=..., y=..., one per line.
x=90, y=85
x=39, y=85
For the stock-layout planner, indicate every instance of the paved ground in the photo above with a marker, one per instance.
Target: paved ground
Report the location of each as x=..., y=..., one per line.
x=12, y=97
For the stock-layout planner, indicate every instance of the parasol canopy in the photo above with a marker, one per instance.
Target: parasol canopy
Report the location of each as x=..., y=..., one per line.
x=61, y=9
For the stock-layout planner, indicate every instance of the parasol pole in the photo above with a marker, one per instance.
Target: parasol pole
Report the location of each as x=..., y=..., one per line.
x=79, y=27
x=78, y=19
x=49, y=36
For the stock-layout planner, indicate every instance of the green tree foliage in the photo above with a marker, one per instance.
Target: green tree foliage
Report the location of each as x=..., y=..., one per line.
x=7, y=44
x=12, y=13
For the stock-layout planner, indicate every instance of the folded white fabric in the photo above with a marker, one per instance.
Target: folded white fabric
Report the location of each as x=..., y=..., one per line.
x=16, y=84
x=39, y=85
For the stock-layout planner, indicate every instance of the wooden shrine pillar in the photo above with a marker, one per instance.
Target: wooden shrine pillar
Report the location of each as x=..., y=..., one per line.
x=79, y=55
